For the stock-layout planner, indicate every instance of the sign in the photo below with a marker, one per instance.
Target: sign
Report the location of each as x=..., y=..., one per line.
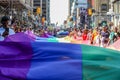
x=82, y=3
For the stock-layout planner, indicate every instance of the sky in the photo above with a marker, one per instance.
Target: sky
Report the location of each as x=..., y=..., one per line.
x=58, y=11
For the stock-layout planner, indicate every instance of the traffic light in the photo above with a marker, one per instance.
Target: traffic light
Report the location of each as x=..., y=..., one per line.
x=89, y=11
x=38, y=10
x=29, y=13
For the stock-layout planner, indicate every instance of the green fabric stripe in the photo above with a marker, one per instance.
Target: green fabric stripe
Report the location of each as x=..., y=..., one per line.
x=100, y=63
x=52, y=40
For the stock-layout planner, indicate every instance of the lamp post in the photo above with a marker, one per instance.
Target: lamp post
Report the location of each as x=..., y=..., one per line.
x=11, y=8
x=41, y=7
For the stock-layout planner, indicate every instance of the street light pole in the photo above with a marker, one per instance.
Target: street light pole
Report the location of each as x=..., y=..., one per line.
x=41, y=7
x=11, y=7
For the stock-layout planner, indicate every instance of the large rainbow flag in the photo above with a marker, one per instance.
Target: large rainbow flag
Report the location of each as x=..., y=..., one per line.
x=115, y=46
x=27, y=59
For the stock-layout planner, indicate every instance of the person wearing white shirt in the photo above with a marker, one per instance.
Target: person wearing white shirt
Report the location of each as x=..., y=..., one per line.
x=4, y=28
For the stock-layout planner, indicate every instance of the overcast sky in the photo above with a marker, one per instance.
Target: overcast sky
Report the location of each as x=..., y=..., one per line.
x=58, y=11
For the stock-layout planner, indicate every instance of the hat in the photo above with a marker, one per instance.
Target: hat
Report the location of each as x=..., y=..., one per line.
x=4, y=18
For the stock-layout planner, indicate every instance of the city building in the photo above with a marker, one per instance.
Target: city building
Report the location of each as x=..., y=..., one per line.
x=36, y=4
x=116, y=10
x=46, y=10
x=78, y=12
x=70, y=3
x=29, y=4
x=44, y=6
x=101, y=8
x=15, y=8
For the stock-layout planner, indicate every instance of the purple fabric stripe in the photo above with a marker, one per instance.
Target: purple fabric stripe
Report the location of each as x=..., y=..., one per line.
x=19, y=37
x=28, y=32
x=15, y=59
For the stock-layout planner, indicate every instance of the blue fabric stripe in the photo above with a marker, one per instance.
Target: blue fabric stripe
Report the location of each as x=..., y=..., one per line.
x=55, y=61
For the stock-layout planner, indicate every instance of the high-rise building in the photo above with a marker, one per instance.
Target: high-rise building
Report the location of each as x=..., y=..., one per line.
x=45, y=8
x=70, y=3
x=30, y=3
x=101, y=8
x=36, y=3
x=116, y=15
x=101, y=5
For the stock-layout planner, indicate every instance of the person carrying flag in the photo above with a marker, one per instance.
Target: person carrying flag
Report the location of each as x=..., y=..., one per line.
x=4, y=28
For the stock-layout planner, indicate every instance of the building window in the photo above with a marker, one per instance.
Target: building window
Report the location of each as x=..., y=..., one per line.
x=36, y=4
x=104, y=7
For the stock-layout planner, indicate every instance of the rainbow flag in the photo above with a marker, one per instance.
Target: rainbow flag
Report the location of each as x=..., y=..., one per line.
x=115, y=46
x=57, y=61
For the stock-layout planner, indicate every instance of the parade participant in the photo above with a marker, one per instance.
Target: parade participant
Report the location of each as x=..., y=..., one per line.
x=98, y=38
x=116, y=34
x=105, y=37
x=94, y=35
x=79, y=33
x=111, y=26
x=85, y=35
x=4, y=28
x=90, y=36
x=111, y=37
x=73, y=33
x=18, y=30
